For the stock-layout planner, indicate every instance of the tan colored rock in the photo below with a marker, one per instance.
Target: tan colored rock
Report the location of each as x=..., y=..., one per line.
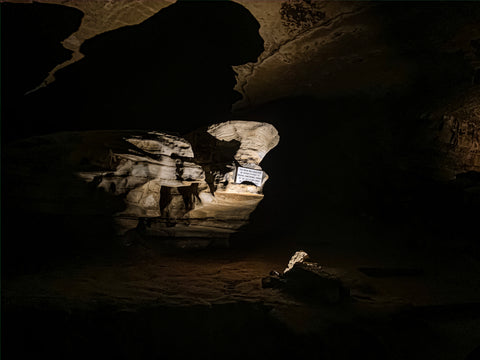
x=299, y=257
x=101, y=16
x=295, y=32
x=283, y=24
x=454, y=135
x=256, y=139
x=152, y=183
x=312, y=48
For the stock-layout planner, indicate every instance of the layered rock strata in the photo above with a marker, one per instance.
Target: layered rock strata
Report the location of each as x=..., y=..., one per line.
x=152, y=183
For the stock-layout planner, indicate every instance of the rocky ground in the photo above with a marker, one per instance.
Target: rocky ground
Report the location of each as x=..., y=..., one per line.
x=150, y=301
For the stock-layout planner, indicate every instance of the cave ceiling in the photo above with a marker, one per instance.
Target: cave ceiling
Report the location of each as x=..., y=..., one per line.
x=321, y=48
x=328, y=49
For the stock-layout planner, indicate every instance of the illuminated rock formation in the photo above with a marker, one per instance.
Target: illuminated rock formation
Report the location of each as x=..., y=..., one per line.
x=172, y=192
x=256, y=140
x=151, y=183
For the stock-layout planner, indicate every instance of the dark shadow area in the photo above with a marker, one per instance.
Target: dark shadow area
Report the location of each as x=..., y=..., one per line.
x=357, y=176
x=51, y=215
x=235, y=331
x=358, y=166
x=31, y=36
x=320, y=174
x=173, y=72
x=348, y=184
x=211, y=154
x=420, y=34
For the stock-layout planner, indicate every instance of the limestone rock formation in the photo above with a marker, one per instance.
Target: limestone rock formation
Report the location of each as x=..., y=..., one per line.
x=458, y=138
x=152, y=183
x=308, y=280
x=449, y=136
x=185, y=195
x=305, y=37
x=102, y=16
x=256, y=140
x=298, y=257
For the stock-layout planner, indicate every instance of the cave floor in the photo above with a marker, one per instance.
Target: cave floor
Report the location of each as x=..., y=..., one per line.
x=431, y=313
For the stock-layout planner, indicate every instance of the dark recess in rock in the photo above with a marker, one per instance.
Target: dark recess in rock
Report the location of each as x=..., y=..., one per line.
x=390, y=272
x=31, y=36
x=171, y=72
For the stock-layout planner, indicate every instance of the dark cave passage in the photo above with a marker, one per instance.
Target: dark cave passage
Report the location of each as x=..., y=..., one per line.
x=172, y=72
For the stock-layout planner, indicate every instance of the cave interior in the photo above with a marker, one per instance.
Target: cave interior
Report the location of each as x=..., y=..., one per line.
x=376, y=176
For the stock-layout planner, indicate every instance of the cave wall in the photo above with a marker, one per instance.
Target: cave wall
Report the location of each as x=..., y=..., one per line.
x=370, y=98
x=331, y=50
x=98, y=17
x=330, y=40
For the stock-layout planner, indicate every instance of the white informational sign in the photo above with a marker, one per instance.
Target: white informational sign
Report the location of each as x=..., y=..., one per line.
x=250, y=175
